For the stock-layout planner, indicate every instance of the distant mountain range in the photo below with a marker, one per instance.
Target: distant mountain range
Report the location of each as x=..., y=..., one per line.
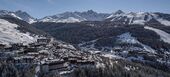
x=18, y=14
x=90, y=15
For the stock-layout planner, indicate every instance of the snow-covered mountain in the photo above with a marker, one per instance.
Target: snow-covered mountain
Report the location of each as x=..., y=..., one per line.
x=97, y=44
x=71, y=17
x=90, y=15
x=9, y=34
x=14, y=30
x=18, y=14
x=138, y=17
x=118, y=17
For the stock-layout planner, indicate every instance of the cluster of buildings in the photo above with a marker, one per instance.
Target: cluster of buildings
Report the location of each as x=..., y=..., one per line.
x=49, y=55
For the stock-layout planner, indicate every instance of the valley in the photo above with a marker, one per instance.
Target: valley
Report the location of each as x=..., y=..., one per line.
x=85, y=44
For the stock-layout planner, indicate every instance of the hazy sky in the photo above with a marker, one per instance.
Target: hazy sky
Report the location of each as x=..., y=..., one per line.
x=41, y=8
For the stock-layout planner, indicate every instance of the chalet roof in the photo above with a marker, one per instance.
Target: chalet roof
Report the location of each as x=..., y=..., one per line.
x=22, y=57
x=54, y=63
x=2, y=45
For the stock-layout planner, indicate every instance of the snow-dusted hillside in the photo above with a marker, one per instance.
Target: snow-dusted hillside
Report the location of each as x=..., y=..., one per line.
x=127, y=38
x=10, y=34
x=136, y=18
x=124, y=38
x=18, y=14
x=164, y=36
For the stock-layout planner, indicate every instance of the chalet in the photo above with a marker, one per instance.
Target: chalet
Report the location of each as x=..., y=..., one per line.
x=33, y=54
x=19, y=51
x=43, y=41
x=57, y=45
x=3, y=59
x=25, y=59
x=76, y=57
x=44, y=52
x=2, y=46
x=73, y=59
x=60, y=66
x=17, y=46
x=67, y=46
x=85, y=62
x=34, y=45
x=9, y=49
x=28, y=50
x=55, y=66
x=9, y=59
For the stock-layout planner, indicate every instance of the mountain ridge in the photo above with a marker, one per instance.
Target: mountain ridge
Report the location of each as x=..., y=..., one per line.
x=18, y=14
x=90, y=15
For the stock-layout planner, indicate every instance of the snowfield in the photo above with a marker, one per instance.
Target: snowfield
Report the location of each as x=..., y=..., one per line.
x=127, y=38
x=164, y=36
x=164, y=22
x=67, y=20
x=9, y=34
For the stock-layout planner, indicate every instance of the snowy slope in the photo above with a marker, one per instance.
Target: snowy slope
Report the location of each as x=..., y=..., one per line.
x=131, y=18
x=9, y=34
x=124, y=38
x=67, y=20
x=164, y=36
x=127, y=38
x=164, y=22
x=136, y=18
x=18, y=14
x=70, y=20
